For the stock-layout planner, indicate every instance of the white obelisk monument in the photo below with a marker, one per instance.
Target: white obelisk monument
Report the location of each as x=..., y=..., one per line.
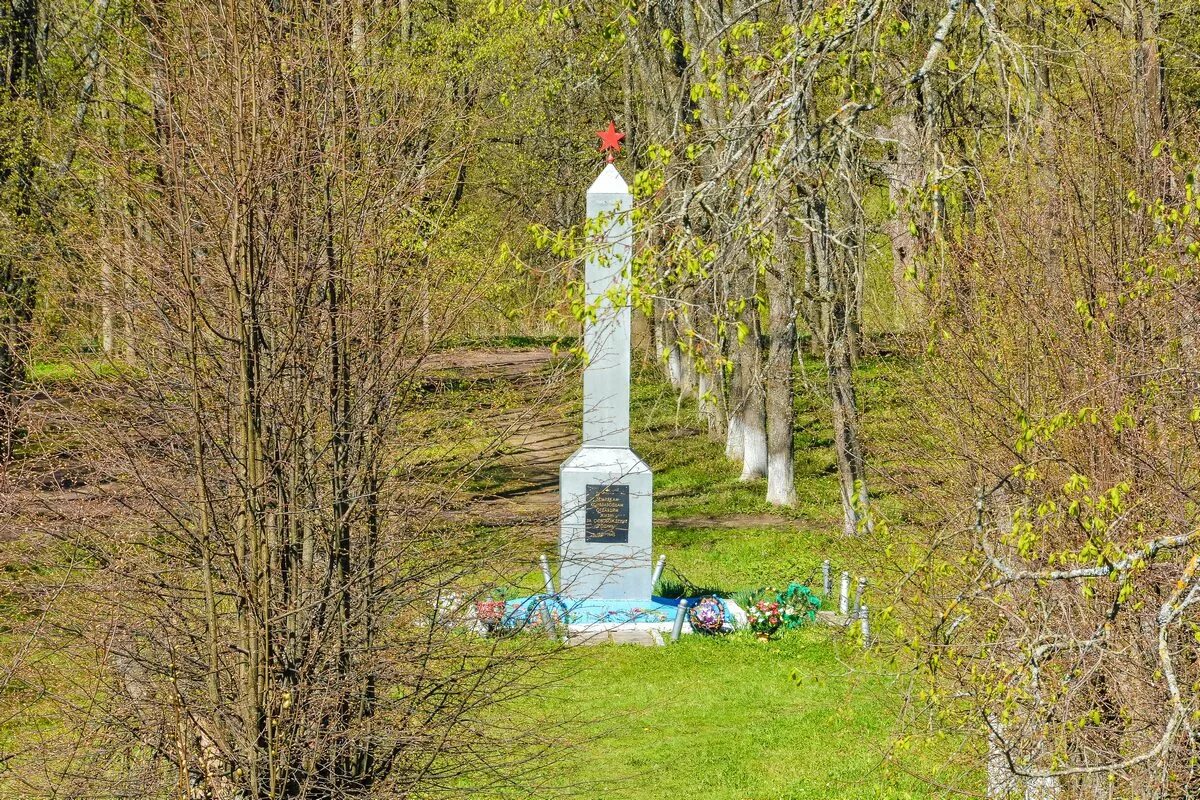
x=605, y=539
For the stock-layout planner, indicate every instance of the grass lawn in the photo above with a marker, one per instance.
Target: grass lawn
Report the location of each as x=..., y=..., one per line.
x=729, y=719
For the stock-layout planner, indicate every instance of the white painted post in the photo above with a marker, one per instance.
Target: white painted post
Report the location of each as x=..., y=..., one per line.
x=826, y=579
x=844, y=600
x=658, y=571
x=680, y=614
x=547, y=578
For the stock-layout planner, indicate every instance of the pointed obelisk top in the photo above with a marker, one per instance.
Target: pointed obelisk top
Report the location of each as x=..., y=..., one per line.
x=609, y=181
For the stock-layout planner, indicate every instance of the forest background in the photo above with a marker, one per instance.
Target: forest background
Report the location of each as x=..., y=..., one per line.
x=236, y=235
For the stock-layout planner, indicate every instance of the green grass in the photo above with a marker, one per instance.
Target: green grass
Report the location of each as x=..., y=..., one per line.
x=736, y=559
x=729, y=719
x=807, y=715
x=47, y=372
x=744, y=542
x=692, y=477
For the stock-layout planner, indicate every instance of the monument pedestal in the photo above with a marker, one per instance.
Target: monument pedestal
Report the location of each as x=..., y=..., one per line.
x=605, y=537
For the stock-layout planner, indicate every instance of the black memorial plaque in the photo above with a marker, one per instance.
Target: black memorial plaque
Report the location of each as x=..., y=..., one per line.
x=607, y=517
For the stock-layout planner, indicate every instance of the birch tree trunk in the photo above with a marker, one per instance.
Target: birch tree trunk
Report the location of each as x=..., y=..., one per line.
x=847, y=447
x=780, y=375
x=709, y=402
x=128, y=278
x=107, y=312
x=735, y=440
x=1002, y=782
x=754, y=403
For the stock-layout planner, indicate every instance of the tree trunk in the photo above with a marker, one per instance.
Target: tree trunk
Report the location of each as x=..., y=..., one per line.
x=1002, y=783
x=903, y=174
x=128, y=241
x=710, y=389
x=708, y=402
x=834, y=321
x=687, y=344
x=735, y=440
x=1148, y=90
x=17, y=280
x=690, y=377
x=642, y=336
x=675, y=365
x=847, y=443
x=113, y=200
x=107, y=323
x=754, y=408
x=754, y=435
x=780, y=403
x=12, y=363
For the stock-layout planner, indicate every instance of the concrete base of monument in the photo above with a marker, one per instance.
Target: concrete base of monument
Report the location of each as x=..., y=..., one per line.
x=605, y=539
x=601, y=621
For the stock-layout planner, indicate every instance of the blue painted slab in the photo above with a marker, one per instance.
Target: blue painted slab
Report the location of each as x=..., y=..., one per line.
x=528, y=610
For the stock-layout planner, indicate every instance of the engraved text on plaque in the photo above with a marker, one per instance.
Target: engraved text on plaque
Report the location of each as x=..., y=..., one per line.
x=607, y=517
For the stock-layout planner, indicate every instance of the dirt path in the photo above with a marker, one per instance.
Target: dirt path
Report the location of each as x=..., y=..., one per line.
x=535, y=437
x=54, y=494
x=490, y=363
x=49, y=492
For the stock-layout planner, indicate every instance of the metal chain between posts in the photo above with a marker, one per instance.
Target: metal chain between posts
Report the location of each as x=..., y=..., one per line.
x=688, y=587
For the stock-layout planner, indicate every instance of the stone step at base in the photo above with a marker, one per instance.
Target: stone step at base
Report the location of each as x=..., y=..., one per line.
x=645, y=638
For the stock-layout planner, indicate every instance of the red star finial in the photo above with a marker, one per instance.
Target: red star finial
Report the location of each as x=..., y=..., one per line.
x=610, y=140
